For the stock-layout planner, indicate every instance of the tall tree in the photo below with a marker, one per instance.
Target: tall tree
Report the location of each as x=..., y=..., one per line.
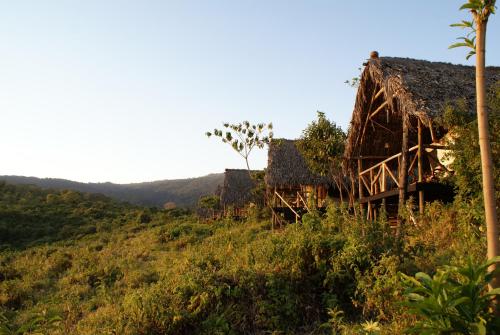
x=322, y=145
x=476, y=40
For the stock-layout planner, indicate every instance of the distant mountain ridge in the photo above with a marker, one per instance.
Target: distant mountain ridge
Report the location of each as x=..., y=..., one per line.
x=183, y=192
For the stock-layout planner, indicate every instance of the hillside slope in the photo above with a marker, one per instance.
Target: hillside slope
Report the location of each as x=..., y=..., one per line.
x=83, y=264
x=183, y=192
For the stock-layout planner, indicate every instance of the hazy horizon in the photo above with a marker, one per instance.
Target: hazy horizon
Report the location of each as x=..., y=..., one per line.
x=105, y=182
x=123, y=91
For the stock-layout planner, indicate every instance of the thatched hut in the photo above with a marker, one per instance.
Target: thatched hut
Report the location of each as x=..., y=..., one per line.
x=393, y=137
x=236, y=192
x=291, y=186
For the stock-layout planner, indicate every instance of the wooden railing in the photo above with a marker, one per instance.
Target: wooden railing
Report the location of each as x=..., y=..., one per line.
x=301, y=199
x=292, y=202
x=384, y=175
x=297, y=216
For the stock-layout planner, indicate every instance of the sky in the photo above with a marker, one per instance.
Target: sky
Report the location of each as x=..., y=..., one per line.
x=124, y=91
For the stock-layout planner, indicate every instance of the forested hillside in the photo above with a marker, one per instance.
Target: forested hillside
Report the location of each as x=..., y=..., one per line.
x=182, y=192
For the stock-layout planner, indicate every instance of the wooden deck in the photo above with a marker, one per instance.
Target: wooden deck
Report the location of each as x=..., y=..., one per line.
x=433, y=191
x=415, y=172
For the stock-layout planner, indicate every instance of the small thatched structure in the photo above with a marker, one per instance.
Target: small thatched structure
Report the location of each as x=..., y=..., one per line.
x=393, y=137
x=287, y=167
x=291, y=186
x=236, y=192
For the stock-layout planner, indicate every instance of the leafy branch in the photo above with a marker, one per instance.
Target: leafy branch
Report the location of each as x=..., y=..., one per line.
x=480, y=10
x=244, y=137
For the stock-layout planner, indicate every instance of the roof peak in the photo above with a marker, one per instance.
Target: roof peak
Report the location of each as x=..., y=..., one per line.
x=425, y=61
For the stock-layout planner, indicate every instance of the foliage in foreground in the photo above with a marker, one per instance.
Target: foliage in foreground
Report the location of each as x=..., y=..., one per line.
x=456, y=300
x=162, y=272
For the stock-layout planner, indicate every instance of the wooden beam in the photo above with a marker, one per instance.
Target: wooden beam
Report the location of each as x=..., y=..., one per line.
x=381, y=126
x=392, y=175
x=378, y=94
x=403, y=172
x=431, y=128
x=288, y=205
x=303, y=201
x=412, y=164
x=366, y=157
x=420, y=154
x=375, y=179
x=372, y=115
x=353, y=189
x=388, y=159
x=360, y=186
x=383, y=179
x=366, y=185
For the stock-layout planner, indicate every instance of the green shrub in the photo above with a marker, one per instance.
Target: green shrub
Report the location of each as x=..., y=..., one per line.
x=455, y=300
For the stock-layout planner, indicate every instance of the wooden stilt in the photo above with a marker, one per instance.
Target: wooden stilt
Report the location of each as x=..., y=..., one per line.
x=420, y=168
x=370, y=205
x=403, y=171
x=352, y=197
x=360, y=182
x=382, y=187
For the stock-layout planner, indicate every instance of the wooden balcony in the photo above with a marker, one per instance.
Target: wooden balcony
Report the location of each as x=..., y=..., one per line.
x=383, y=180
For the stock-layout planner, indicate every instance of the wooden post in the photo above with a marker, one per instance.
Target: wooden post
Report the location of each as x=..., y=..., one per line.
x=420, y=168
x=353, y=189
x=433, y=136
x=382, y=186
x=370, y=206
x=403, y=172
x=360, y=183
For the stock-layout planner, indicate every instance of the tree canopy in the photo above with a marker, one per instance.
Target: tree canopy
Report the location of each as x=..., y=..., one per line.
x=244, y=137
x=322, y=145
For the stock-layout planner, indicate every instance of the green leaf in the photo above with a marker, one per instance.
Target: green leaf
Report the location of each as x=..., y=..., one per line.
x=458, y=45
x=415, y=297
x=470, y=54
x=468, y=6
x=463, y=24
x=459, y=301
x=423, y=276
x=493, y=292
x=492, y=261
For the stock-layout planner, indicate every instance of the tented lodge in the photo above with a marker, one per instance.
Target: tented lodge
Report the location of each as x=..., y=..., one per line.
x=395, y=145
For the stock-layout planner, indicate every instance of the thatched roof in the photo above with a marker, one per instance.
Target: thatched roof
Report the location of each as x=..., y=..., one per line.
x=419, y=88
x=287, y=167
x=237, y=188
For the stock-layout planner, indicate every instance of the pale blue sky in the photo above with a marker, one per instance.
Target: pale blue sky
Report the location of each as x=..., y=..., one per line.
x=124, y=91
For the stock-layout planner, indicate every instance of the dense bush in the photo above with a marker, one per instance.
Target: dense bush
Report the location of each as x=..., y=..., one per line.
x=170, y=274
x=30, y=215
x=455, y=300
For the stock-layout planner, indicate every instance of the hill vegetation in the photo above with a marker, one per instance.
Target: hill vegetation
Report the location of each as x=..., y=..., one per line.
x=87, y=264
x=182, y=192
x=81, y=263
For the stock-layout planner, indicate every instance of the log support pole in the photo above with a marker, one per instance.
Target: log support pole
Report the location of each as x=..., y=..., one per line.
x=420, y=154
x=383, y=187
x=403, y=172
x=360, y=183
x=352, y=199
